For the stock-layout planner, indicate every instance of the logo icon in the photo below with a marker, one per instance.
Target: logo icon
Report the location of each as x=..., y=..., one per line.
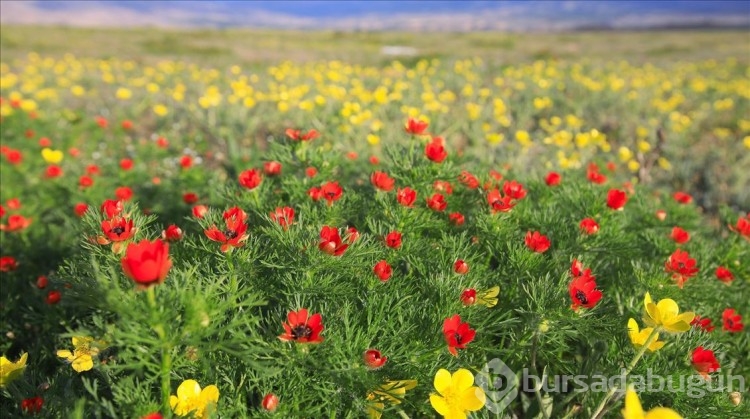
x=500, y=385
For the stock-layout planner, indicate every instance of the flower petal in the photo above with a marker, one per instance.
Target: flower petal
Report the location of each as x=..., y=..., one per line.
x=662, y=413
x=633, y=409
x=442, y=381
x=439, y=404
x=210, y=394
x=188, y=389
x=668, y=309
x=462, y=379
x=473, y=399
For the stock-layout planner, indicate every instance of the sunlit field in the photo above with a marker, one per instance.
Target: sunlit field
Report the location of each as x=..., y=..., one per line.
x=255, y=223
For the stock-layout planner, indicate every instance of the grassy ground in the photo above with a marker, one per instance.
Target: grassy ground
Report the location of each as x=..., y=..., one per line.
x=246, y=46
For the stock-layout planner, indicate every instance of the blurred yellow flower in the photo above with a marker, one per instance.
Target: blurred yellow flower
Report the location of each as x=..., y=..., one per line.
x=160, y=109
x=634, y=410
x=123, y=93
x=190, y=399
x=82, y=357
x=373, y=139
x=52, y=156
x=9, y=371
x=639, y=337
x=666, y=314
x=391, y=392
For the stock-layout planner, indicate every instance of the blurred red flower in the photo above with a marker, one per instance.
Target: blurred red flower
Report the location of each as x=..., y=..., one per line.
x=330, y=241
x=147, y=262
x=383, y=270
x=514, y=190
x=437, y=202
x=724, y=275
x=393, y=240
x=681, y=266
x=382, y=181
x=331, y=192
x=406, y=196
x=435, y=151
x=272, y=168
x=250, y=178
x=374, y=359
x=616, y=199
x=303, y=329
x=589, y=226
x=283, y=216
x=704, y=361
x=679, y=235
x=702, y=323
x=732, y=320
x=553, y=179
x=457, y=334
x=537, y=242
x=415, y=126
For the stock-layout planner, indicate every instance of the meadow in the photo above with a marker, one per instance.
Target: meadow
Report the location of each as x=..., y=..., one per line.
x=241, y=223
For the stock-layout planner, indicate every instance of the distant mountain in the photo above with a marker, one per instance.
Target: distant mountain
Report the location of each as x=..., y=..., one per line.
x=449, y=15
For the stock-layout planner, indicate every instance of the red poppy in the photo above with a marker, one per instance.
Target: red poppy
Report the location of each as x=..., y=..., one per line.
x=742, y=226
x=553, y=179
x=589, y=226
x=53, y=297
x=155, y=415
x=53, y=171
x=437, y=202
x=468, y=179
x=250, y=178
x=186, y=162
x=616, y=199
x=583, y=292
x=456, y=218
x=331, y=192
x=382, y=181
x=311, y=172
x=13, y=156
x=126, y=164
x=296, y=135
x=577, y=268
x=235, y=233
x=383, y=270
x=596, y=177
x=406, y=196
x=461, y=267
x=500, y=203
x=352, y=155
x=435, y=151
x=724, y=275
x=732, y=320
x=314, y=193
x=443, y=186
x=80, y=209
x=147, y=262
x=681, y=266
x=393, y=240
x=283, y=216
x=2, y=211
x=374, y=160
x=162, y=142
x=537, y=242
x=330, y=241
x=32, y=406
x=123, y=193
x=172, y=233
x=127, y=124
x=457, y=334
x=704, y=361
x=351, y=235
x=374, y=359
x=702, y=323
x=41, y=282
x=514, y=190
x=415, y=126
x=16, y=222
x=111, y=208
x=303, y=329
x=13, y=204
x=661, y=215
x=117, y=229
x=85, y=181
x=469, y=296
x=682, y=197
x=190, y=198
x=679, y=235
x=93, y=170
x=272, y=168
x=74, y=152
x=199, y=211
x=270, y=402
x=8, y=263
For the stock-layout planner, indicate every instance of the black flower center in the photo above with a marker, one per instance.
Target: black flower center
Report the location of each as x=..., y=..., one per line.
x=118, y=230
x=231, y=234
x=581, y=297
x=458, y=337
x=301, y=331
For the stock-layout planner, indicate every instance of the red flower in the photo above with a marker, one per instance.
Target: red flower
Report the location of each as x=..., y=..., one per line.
x=500, y=203
x=460, y=267
x=583, y=292
x=102, y=121
x=537, y=242
x=679, y=235
x=13, y=204
x=53, y=297
x=415, y=126
x=406, y=196
x=311, y=172
x=593, y=174
x=272, y=168
x=383, y=270
x=457, y=334
x=469, y=296
x=303, y=329
x=382, y=181
x=681, y=266
x=117, y=229
x=93, y=170
x=199, y=211
x=352, y=155
x=724, y=275
x=682, y=197
x=123, y=193
x=127, y=124
x=732, y=320
x=147, y=262
x=702, y=323
x=577, y=268
x=435, y=151
x=16, y=222
x=468, y=179
x=13, y=156
x=8, y=263
x=393, y=240
x=374, y=160
x=190, y=198
x=270, y=402
x=374, y=359
x=742, y=226
x=296, y=135
x=437, y=202
x=616, y=199
x=284, y=216
x=704, y=361
x=589, y=226
x=250, y=178
x=155, y=415
x=85, y=181
x=32, y=406
x=186, y=162
x=456, y=218
x=552, y=179
x=331, y=192
x=330, y=241
x=314, y=193
x=111, y=208
x=41, y=282
x=162, y=142
x=514, y=190
x=80, y=209
x=126, y=164
x=443, y=186
x=351, y=235
x=53, y=171
x=235, y=233
x=172, y=233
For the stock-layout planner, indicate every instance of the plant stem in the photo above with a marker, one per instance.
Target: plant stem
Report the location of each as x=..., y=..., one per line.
x=653, y=336
x=166, y=355
x=533, y=366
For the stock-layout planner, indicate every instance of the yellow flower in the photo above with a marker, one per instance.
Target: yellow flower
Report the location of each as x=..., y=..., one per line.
x=634, y=410
x=160, y=109
x=457, y=395
x=390, y=391
x=52, y=156
x=123, y=93
x=82, y=357
x=666, y=313
x=9, y=371
x=488, y=298
x=639, y=337
x=191, y=399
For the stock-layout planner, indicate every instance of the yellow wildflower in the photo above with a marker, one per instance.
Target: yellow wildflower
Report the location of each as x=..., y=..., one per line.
x=392, y=392
x=9, y=370
x=52, y=156
x=666, y=313
x=123, y=93
x=639, y=337
x=191, y=399
x=457, y=395
x=634, y=410
x=82, y=357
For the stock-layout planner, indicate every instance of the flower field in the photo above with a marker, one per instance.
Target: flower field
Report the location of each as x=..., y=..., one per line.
x=334, y=239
